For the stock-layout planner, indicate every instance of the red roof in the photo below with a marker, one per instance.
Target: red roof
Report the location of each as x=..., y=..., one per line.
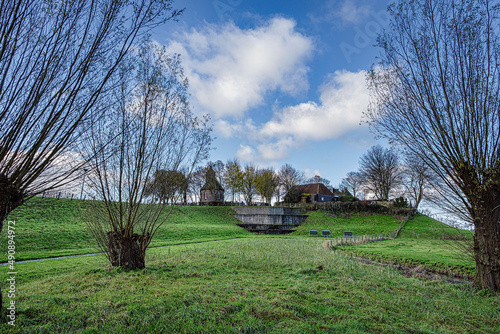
x=315, y=189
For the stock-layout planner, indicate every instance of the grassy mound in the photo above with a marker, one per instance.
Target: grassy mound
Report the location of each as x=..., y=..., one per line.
x=359, y=224
x=49, y=227
x=424, y=241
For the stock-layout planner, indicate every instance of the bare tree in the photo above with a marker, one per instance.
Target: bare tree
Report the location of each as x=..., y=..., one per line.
x=289, y=177
x=267, y=182
x=318, y=179
x=168, y=186
x=380, y=171
x=220, y=170
x=150, y=128
x=352, y=182
x=417, y=179
x=249, y=183
x=56, y=61
x=196, y=180
x=437, y=94
x=233, y=177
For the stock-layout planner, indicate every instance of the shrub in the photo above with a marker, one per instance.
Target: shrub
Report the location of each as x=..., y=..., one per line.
x=348, y=199
x=400, y=202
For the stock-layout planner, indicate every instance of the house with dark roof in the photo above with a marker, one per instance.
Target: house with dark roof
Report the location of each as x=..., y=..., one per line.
x=212, y=192
x=314, y=192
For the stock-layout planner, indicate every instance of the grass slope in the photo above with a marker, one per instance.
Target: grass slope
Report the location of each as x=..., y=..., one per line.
x=243, y=286
x=49, y=227
x=424, y=241
x=358, y=224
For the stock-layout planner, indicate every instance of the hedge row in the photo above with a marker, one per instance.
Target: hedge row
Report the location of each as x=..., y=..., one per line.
x=358, y=207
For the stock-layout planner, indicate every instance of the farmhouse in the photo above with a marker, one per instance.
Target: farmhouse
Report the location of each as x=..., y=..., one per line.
x=212, y=192
x=314, y=192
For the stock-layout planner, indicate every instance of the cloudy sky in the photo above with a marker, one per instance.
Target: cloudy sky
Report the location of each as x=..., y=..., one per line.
x=284, y=81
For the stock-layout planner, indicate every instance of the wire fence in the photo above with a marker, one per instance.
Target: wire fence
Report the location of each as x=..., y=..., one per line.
x=363, y=239
x=62, y=194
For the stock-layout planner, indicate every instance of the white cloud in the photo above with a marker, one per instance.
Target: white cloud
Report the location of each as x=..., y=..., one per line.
x=240, y=129
x=311, y=173
x=231, y=69
x=338, y=13
x=245, y=154
x=350, y=12
x=344, y=98
x=271, y=151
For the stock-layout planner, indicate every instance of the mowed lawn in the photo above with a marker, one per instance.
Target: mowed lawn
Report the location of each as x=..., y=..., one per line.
x=258, y=285
x=49, y=227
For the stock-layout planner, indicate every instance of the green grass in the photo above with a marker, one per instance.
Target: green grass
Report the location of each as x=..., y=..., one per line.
x=243, y=286
x=48, y=227
x=358, y=224
x=424, y=241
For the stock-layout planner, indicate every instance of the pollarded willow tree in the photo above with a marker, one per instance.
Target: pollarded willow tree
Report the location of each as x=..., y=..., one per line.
x=148, y=129
x=437, y=94
x=56, y=61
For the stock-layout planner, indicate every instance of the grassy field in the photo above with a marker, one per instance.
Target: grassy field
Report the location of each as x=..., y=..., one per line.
x=424, y=241
x=244, y=284
x=267, y=285
x=49, y=227
x=358, y=224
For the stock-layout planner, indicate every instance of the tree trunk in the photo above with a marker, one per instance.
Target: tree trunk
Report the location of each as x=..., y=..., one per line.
x=487, y=249
x=126, y=252
x=10, y=198
x=483, y=194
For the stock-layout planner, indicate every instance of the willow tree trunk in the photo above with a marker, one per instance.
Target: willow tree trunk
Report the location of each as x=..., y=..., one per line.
x=487, y=246
x=126, y=251
x=10, y=198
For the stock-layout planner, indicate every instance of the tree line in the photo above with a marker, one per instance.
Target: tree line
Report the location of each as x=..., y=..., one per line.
x=240, y=182
x=385, y=173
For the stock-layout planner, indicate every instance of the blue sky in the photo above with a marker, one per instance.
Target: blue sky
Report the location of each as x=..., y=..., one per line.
x=284, y=81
